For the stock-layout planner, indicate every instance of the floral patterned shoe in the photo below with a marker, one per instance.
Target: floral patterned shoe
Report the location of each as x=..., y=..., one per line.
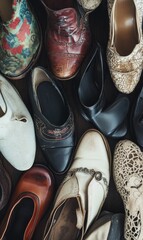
x=125, y=45
x=20, y=40
x=128, y=176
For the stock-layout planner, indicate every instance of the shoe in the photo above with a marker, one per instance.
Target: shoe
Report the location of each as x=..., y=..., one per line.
x=54, y=121
x=109, y=226
x=89, y=5
x=30, y=200
x=124, y=50
x=5, y=186
x=128, y=177
x=20, y=41
x=82, y=193
x=67, y=37
x=137, y=119
x=17, y=134
x=91, y=101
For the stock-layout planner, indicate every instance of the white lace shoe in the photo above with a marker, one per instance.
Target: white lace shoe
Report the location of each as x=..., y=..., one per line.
x=82, y=193
x=17, y=135
x=125, y=45
x=89, y=5
x=128, y=176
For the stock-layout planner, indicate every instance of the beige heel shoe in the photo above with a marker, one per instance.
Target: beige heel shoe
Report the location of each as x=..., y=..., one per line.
x=82, y=193
x=125, y=45
x=128, y=176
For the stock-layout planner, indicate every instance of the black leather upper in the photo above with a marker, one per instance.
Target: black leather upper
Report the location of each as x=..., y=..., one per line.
x=137, y=119
x=91, y=100
x=56, y=141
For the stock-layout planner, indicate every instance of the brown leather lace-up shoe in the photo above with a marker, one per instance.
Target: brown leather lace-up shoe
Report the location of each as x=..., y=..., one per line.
x=67, y=37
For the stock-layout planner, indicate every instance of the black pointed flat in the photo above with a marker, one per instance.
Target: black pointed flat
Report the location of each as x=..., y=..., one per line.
x=91, y=100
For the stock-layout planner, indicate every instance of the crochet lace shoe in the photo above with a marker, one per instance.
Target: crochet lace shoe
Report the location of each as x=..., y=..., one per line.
x=125, y=45
x=20, y=40
x=67, y=37
x=89, y=5
x=128, y=177
x=82, y=193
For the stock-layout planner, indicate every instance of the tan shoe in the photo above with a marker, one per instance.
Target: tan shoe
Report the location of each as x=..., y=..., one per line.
x=128, y=176
x=89, y=5
x=82, y=193
x=125, y=45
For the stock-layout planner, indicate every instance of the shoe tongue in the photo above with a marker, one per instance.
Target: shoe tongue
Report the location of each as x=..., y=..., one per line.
x=2, y=106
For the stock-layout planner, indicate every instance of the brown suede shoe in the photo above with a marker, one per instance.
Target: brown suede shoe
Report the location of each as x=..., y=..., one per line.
x=30, y=200
x=67, y=37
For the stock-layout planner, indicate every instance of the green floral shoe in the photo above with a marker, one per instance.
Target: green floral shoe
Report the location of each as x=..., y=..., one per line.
x=20, y=40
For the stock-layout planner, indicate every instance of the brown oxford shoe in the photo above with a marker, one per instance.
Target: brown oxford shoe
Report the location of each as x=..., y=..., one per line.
x=67, y=37
x=30, y=200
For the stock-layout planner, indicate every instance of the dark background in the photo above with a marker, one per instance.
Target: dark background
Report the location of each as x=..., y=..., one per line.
x=99, y=25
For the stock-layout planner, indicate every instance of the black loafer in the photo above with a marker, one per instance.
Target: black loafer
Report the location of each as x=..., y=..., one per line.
x=54, y=121
x=109, y=226
x=91, y=100
x=137, y=120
